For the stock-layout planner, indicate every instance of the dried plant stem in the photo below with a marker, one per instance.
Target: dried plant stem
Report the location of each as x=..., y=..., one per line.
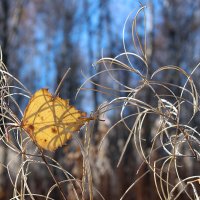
x=61, y=82
x=51, y=173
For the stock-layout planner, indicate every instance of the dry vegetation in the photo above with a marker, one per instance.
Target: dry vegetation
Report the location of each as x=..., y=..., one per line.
x=164, y=154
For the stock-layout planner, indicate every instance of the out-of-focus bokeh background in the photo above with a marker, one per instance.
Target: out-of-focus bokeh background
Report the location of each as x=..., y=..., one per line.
x=41, y=39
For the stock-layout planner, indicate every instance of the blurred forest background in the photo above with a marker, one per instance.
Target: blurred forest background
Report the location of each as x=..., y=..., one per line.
x=40, y=39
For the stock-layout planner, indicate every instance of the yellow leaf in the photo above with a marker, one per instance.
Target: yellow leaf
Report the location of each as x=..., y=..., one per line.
x=50, y=121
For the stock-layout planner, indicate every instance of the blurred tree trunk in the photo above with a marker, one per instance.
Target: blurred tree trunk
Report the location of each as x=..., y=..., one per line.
x=4, y=31
x=68, y=53
x=8, y=31
x=142, y=189
x=4, y=45
x=177, y=28
x=96, y=32
x=90, y=29
x=68, y=58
